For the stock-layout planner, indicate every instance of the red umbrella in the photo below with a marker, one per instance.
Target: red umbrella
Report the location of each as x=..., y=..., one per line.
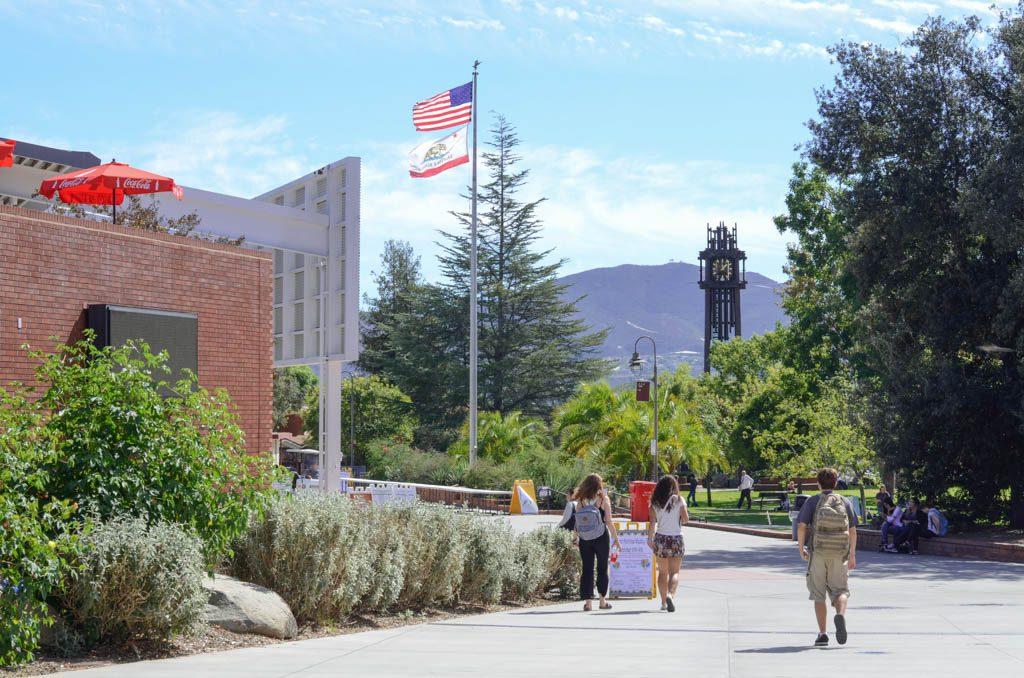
x=7, y=152
x=107, y=185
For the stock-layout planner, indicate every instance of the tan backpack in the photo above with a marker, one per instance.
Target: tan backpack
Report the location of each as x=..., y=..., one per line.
x=831, y=527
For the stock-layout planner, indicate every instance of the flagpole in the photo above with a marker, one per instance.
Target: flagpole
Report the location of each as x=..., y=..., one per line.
x=473, y=295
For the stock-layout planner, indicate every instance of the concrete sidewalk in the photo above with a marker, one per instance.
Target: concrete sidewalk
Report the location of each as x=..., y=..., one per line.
x=743, y=611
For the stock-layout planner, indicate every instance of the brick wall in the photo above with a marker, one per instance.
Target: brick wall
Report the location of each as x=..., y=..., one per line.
x=52, y=267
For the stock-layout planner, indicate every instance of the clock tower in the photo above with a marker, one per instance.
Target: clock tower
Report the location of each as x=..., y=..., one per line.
x=723, y=273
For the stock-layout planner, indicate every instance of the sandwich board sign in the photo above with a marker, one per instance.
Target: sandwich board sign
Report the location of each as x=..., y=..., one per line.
x=634, y=572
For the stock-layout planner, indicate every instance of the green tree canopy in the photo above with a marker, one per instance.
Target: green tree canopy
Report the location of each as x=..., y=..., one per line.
x=533, y=348
x=926, y=139
x=609, y=427
x=292, y=386
x=382, y=412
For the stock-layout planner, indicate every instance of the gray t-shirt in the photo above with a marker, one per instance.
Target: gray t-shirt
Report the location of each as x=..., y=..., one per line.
x=809, y=508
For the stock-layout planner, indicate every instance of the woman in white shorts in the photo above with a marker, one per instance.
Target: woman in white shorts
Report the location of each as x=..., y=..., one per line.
x=665, y=536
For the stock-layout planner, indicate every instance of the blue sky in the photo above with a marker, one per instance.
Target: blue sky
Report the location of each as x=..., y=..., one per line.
x=640, y=120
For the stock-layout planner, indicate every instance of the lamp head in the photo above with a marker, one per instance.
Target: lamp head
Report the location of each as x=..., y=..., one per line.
x=636, y=364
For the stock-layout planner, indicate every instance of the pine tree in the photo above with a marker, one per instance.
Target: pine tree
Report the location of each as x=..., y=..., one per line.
x=397, y=283
x=534, y=350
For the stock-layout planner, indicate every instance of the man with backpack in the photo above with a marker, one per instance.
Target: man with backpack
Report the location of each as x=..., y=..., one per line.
x=827, y=538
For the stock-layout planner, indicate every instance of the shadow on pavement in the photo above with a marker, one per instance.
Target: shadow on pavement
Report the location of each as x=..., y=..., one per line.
x=782, y=557
x=788, y=649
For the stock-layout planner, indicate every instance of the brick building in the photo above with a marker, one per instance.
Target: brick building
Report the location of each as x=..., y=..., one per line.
x=309, y=226
x=52, y=267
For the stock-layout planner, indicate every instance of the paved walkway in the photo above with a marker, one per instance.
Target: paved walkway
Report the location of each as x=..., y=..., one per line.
x=743, y=612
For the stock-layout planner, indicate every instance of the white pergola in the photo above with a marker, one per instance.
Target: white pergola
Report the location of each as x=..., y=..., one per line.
x=314, y=233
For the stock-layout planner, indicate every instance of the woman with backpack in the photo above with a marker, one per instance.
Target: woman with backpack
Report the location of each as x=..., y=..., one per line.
x=593, y=525
x=667, y=515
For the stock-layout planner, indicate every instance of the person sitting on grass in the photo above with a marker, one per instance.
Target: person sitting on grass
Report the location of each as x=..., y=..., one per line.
x=827, y=539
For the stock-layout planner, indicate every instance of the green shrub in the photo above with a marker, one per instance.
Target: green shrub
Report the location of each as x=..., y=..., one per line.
x=525, y=574
x=330, y=557
x=126, y=443
x=487, y=559
x=135, y=580
x=435, y=555
x=32, y=552
x=563, y=560
x=313, y=550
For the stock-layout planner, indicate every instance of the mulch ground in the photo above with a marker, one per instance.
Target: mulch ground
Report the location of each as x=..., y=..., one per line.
x=218, y=640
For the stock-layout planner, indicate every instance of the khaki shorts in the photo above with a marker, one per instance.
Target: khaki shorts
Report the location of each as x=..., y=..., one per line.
x=827, y=576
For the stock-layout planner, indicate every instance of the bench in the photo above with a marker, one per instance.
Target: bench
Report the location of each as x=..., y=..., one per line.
x=772, y=495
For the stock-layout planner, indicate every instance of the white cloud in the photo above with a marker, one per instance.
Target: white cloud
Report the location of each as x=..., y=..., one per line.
x=567, y=13
x=908, y=5
x=224, y=152
x=658, y=24
x=896, y=25
x=475, y=24
x=600, y=211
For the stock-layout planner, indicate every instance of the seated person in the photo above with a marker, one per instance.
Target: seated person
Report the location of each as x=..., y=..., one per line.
x=893, y=525
x=936, y=524
x=914, y=523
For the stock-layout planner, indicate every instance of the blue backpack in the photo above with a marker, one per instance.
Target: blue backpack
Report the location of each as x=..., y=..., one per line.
x=943, y=522
x=589, y=522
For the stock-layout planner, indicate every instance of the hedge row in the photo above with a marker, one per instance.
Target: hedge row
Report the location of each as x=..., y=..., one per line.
x=330, y=557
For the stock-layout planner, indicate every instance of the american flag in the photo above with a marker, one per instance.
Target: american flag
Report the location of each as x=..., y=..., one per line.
x=448, y=109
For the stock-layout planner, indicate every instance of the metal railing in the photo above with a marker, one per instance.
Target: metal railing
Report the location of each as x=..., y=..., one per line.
x=466, y=497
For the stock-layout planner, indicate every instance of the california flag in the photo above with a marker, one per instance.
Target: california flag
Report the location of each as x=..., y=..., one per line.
x=434, y=157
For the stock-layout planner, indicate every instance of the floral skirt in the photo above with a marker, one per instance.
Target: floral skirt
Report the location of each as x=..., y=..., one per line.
x=668, y=546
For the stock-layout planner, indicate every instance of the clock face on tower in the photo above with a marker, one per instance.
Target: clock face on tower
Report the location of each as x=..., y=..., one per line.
x=721, y=270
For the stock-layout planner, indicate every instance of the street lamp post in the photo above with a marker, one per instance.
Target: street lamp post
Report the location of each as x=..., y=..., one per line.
x=636, y=364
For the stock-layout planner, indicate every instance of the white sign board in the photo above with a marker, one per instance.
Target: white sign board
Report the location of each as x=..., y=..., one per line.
x=632, y=573
x=389, y=494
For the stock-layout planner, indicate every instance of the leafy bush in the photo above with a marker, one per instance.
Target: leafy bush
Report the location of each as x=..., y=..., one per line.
x=135, y=580
x=330, y=557
x=32, y=554
x=382, y=411
x=313, y=550
x=435, y=554
x=562, y=560
x=525, y=575
x=487, y=546
x=398, y=461
x=126, y=443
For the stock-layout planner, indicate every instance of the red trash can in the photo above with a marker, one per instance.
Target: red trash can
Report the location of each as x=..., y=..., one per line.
x=640, y=492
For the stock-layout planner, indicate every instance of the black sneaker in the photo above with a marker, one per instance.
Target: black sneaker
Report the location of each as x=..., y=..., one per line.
x=840, y=622
x=669, y=605
x=822, y=640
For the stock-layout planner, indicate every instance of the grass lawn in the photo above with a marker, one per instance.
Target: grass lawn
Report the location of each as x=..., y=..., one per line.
x=723, y=508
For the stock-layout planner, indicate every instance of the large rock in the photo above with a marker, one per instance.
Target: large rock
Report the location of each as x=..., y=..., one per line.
x=247, y=608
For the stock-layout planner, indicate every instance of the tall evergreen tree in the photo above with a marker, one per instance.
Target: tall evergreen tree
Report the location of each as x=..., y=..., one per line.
x=534, y=350
x=397, y=282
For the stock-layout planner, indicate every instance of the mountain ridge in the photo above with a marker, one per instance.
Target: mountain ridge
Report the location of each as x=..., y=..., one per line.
x=664, y=301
